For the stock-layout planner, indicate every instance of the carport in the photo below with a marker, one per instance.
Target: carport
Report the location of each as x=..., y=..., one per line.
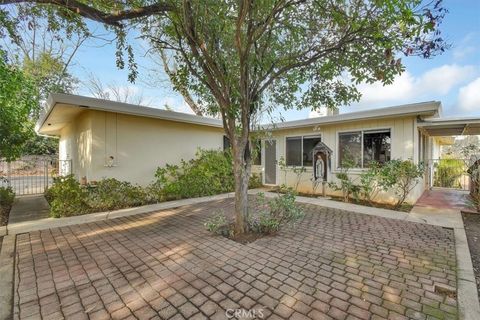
x=448, y=127
x=443, y=132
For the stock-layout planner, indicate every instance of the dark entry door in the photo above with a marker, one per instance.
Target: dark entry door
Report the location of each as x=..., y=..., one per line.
x=270, y=162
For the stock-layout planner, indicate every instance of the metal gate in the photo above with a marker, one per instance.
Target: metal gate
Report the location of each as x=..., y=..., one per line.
x=32, y=174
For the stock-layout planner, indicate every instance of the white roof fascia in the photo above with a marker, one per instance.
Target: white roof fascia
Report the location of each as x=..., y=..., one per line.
x=449, y=120
x=430, y=108
x=124, y=108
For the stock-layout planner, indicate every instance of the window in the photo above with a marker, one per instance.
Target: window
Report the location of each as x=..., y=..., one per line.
x=299, y=150
x=226, y=143
x=361, y=148
x=294, y=151
x=376, y=147
x=350, y=149
x=256, y=150
x=308, y=144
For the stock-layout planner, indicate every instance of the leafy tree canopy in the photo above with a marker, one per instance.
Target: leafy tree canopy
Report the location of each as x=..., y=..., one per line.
x=18, y=99
x=238, y=56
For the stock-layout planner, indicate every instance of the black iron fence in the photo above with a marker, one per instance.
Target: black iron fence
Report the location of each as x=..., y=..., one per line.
x=32, y=174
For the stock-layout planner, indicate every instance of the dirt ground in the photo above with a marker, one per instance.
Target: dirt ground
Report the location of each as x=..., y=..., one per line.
x=472, y=228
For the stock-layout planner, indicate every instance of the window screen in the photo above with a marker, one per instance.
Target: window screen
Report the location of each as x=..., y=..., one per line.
x=294, y=151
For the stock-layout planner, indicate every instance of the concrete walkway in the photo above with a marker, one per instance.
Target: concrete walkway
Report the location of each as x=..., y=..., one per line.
x=442, y=207
x=29, y=208
x=444, y=198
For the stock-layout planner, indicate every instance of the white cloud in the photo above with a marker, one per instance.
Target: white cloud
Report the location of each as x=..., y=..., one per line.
x=469, y=96
x=467, y=46
x=442, y=79
x=434, y=83
x=402, y=87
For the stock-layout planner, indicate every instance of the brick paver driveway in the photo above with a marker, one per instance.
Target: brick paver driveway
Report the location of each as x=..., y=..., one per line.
x=334, y=264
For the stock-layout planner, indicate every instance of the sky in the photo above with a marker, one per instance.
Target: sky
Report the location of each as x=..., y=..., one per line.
x=452, y=78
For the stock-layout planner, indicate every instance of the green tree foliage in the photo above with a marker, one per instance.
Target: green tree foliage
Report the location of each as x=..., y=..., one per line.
x=50, y=74
x=18, y=100
x=43, y=45
x=243, y=57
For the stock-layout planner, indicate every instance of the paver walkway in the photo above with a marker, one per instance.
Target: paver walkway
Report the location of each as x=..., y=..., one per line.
x=29, y=208
x=164, y=265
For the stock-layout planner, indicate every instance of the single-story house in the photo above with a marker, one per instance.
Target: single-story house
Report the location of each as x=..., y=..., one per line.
x=100, y=138
x=128, y=142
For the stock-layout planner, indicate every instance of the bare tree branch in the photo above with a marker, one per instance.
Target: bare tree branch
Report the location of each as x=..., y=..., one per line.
x=182, y=90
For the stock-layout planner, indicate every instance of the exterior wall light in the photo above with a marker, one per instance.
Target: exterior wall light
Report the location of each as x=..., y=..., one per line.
x=110, y=163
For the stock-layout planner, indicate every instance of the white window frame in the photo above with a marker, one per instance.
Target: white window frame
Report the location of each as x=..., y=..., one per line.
x=362, y=131
x=301, y=136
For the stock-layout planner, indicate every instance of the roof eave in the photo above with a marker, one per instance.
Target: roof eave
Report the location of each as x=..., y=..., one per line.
x=119, y=107
x=431, y=108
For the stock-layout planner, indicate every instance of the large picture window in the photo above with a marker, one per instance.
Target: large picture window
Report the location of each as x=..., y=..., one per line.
x=350, y=149
x=360, y=148
x=299, y=150
x=376, y=147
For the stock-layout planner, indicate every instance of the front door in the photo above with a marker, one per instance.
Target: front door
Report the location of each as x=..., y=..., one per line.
x=270, y=162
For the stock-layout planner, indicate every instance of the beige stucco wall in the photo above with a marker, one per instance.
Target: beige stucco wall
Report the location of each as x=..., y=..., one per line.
x=139, y=145
x=75, y=144
x=404, y=146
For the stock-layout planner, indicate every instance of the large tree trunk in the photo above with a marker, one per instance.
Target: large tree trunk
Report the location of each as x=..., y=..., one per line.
x=241, y=168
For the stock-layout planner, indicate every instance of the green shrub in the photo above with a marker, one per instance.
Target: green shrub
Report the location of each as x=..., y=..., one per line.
x=6, y=196
x=255, y=181
x=274, y=213
x=112, y=194
x=217, y=223
x=400, y=176
x=370, y=182
x=448, y=173
x=345, y=184
x=264, y=223
x=211, y=172
x=67, y=198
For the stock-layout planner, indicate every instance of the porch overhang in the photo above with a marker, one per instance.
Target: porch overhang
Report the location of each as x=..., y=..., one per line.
x=450, y=127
